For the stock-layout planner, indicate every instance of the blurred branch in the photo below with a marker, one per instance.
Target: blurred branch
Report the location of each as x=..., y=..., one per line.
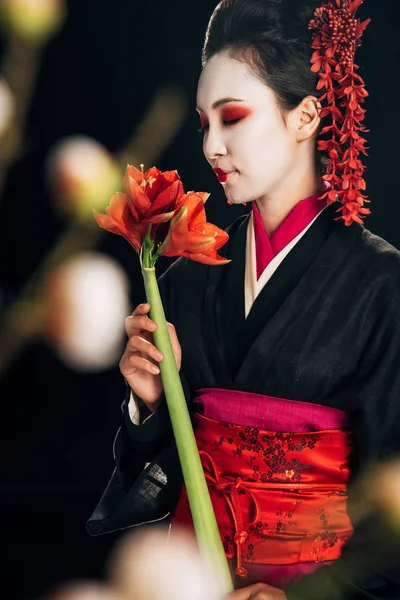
x=25, y=317
x=20, y=67
x=27, y=27
x=158, y=128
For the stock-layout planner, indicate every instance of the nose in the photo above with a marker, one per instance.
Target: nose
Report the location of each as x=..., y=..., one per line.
x=213, y=144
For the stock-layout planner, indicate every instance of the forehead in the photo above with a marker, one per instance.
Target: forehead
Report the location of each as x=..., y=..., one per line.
x=224, y=76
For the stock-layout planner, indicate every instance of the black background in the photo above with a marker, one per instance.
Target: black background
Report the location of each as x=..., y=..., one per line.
x=97, y=78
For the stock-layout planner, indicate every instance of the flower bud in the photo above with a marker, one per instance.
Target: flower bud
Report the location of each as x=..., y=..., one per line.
x=7, y=106
x=181, y=572
x=83, y=176
x=86, y=303
x=33, y=20
x=382, y=490
x=82, y=591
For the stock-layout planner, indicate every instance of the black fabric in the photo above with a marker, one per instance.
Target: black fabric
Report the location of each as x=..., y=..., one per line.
x=147, y=480
x=228, y=298
x=325, y=329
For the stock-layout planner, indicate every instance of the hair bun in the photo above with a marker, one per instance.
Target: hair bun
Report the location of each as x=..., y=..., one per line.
x=295, y=16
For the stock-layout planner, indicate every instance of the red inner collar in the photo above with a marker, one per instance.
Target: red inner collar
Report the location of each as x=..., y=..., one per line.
x=267, y=247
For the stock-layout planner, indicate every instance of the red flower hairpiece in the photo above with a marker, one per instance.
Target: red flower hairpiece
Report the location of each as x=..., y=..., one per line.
x=337, y=35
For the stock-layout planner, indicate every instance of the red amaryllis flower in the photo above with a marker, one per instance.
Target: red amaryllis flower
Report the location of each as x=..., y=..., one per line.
x=152, y=195
x=191, y=236
x=143, y=215
x=120, y=220
x=149, y=199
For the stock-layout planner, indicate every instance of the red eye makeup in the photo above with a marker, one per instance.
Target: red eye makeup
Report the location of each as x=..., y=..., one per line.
x=203, y=122
x=229, y=115
x=235, y=113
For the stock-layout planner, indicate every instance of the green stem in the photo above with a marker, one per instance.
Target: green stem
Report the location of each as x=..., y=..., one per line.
x=207, y=533
x=155, y=257
x=147, y=248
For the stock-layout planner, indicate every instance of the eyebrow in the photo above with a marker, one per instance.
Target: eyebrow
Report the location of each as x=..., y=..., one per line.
x=222, y=101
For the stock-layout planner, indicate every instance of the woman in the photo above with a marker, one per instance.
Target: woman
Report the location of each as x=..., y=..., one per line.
x=290, y=353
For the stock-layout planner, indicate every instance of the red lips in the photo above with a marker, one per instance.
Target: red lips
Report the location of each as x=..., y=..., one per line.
x=222, y=175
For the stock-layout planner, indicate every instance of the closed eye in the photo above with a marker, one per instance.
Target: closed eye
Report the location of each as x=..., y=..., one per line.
x=229, y=123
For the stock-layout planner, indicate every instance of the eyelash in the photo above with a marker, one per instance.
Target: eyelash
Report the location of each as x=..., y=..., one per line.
x=226, y=123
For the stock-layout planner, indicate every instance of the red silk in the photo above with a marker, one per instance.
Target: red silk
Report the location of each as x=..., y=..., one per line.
x=301, y=215
x=279, y=498
x=266, y=412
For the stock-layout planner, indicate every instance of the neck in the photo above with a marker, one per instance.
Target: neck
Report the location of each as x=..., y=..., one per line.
x=275, y=206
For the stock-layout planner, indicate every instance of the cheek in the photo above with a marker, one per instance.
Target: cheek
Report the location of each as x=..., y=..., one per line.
x=209, y=160
x=266, y=145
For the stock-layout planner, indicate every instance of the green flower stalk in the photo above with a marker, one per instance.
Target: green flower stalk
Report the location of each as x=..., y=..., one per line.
x=205, y=524
x=153, y=199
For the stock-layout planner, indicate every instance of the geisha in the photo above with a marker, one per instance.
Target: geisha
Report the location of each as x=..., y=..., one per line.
x=290, y=354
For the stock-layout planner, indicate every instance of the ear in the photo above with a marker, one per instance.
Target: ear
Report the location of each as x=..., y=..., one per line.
x=306, y=118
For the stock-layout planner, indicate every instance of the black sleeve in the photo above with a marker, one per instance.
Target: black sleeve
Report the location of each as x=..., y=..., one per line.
x=146, y=481
x=369, y=567
x=137, y=445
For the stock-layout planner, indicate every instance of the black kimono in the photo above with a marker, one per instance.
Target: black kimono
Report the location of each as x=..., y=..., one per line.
x=325, y=329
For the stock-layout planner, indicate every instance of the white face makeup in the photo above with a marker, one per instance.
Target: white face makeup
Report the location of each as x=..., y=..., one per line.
x=244, y=133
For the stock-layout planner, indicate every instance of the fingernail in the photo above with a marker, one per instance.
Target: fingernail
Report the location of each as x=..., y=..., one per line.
x=159, y=356
x=155, y=369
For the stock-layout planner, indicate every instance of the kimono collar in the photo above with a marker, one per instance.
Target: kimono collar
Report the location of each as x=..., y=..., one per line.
x=267, y=247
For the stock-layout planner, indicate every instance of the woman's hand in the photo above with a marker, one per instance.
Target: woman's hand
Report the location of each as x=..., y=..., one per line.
x=257, y=591
x=139, y=362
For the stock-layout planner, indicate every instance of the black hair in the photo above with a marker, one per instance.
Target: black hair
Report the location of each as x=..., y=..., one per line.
x=272, y=37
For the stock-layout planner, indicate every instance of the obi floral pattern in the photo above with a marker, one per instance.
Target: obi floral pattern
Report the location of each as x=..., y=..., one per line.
x=280, y=497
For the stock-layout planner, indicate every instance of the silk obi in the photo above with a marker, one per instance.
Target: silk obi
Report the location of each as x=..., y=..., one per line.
x=277, y=473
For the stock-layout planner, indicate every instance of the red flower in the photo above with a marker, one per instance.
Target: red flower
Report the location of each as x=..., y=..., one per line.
x=149, y=198
x=119, y=219
x=155, y=202
x=191, y=236
x=152, y=195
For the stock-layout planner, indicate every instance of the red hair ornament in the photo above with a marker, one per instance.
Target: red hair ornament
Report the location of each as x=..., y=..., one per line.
x=337, y=35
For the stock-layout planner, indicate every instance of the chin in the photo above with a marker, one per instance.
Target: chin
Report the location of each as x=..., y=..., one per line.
x=236, y=195
x=236, y=199
x=239, y=202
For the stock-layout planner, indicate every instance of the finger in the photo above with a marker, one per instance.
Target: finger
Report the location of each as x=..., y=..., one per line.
x=242, y=594
x=263, y=591
x=136, y=324
x=141, y=309
x=134, y=362
x=139, y=344
x=248, y=593
x=257, y=591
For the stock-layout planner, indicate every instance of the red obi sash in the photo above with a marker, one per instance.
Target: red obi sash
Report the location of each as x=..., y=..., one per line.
x=279, y=494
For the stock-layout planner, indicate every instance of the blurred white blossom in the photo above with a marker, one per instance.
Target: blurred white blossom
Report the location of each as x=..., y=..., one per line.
x=87, y=301
x=149, y=565
x=82, y=591
x=381, y=490
x=33, y=20
x=7, y=106
x=83, y=175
